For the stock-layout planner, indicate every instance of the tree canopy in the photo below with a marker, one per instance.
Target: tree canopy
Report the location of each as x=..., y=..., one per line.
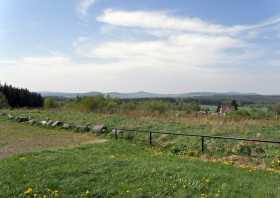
x=18, y=97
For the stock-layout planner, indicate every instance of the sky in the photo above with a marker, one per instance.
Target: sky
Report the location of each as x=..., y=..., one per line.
x=157, y=46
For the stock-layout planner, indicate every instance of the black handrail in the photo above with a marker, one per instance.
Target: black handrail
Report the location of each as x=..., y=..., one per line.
x=203, y=137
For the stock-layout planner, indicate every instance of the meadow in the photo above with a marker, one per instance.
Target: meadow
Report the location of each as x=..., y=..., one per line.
x=237, y=153
x=40, y=160
x=120, y=168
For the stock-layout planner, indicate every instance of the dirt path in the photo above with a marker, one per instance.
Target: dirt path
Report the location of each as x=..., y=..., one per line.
x=18, y=138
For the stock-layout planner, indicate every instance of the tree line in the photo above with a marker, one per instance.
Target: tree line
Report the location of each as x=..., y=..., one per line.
x=18, y=97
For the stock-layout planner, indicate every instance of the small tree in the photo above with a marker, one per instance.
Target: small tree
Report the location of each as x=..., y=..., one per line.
x=219, y=107
x=3, y=101
x=234, y=104
x=50, y=103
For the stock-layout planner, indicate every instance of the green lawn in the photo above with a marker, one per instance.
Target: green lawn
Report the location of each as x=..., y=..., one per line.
x=123, y=169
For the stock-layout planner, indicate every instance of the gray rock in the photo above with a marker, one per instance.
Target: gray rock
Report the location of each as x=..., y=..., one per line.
x=31, y=122
x=99, y=129
x=66, y=126
x=21, y=119
x=117, y=132
x=43, y=123
x=57, y=124
x=82, y=129
x=10, y=117
x=49, y=123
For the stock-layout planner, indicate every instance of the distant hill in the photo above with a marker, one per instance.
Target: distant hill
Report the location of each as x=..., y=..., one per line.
x=69, y=94
x=131, y=95
x=208, y=98
x=142, y=94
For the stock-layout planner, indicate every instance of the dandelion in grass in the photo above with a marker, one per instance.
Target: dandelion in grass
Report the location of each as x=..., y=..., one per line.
x=28, y=191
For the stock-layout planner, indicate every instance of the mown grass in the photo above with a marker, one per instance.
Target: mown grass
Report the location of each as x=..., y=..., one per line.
x=123, y=169
x=259, y=155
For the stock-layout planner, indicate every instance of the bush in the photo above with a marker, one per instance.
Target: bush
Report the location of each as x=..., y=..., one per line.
x=156, y=106
x=92, y=103
x=188, y=107
x=242, y=149
x=242, y=113
x=50, y=103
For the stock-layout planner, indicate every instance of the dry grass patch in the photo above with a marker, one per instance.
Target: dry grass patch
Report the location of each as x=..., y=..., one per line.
x=17, y=138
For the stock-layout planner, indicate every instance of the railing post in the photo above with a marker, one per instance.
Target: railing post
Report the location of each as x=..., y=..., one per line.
x=202, y=144
x=150, y=139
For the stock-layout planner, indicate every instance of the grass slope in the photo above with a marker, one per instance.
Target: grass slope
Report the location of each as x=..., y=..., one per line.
x=123, y=169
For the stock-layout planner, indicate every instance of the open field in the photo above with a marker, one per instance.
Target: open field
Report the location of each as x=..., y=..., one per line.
x=115, y=168
x=215, y=125
x=258, y=155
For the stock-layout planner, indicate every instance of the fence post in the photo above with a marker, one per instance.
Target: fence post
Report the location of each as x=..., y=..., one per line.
x=202, y=144
x=150, y=138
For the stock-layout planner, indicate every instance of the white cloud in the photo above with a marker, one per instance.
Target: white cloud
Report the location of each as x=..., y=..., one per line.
x=84, y=5
x=45, y=60
x=161, y=20
x=185, y=50
x=156, y=52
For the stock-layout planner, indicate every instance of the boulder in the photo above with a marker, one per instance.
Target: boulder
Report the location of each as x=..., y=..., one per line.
x=57, y=124
x=49, y=123
x=82, y=129
x=31, y=122
x=117, y=132
x=21, y=119
x=43, y=123
x=10, y=117
x=99, y=129
x=66, y=126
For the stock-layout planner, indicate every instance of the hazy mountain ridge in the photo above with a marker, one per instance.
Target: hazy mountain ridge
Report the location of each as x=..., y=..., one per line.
x=143, y=94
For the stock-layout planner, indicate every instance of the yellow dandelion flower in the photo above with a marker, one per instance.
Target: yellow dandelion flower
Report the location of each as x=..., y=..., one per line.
x=28, y=191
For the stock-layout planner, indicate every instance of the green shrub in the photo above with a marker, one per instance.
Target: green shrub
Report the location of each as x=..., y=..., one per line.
x=156, y=106
x=50, y=103
x=242, y=149
x=188, y=107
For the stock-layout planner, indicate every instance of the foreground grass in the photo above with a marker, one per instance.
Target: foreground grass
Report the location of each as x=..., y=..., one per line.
x=123, y=169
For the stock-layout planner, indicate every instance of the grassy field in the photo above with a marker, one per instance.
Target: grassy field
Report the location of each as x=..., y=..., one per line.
x=216, y=125
x=123, y=169
x=263, y=156
x=116, y=168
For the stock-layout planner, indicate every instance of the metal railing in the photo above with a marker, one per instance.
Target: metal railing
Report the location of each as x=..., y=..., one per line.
x=203, y=138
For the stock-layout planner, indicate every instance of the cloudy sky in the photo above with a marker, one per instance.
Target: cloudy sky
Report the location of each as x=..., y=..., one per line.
x=149, y=45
